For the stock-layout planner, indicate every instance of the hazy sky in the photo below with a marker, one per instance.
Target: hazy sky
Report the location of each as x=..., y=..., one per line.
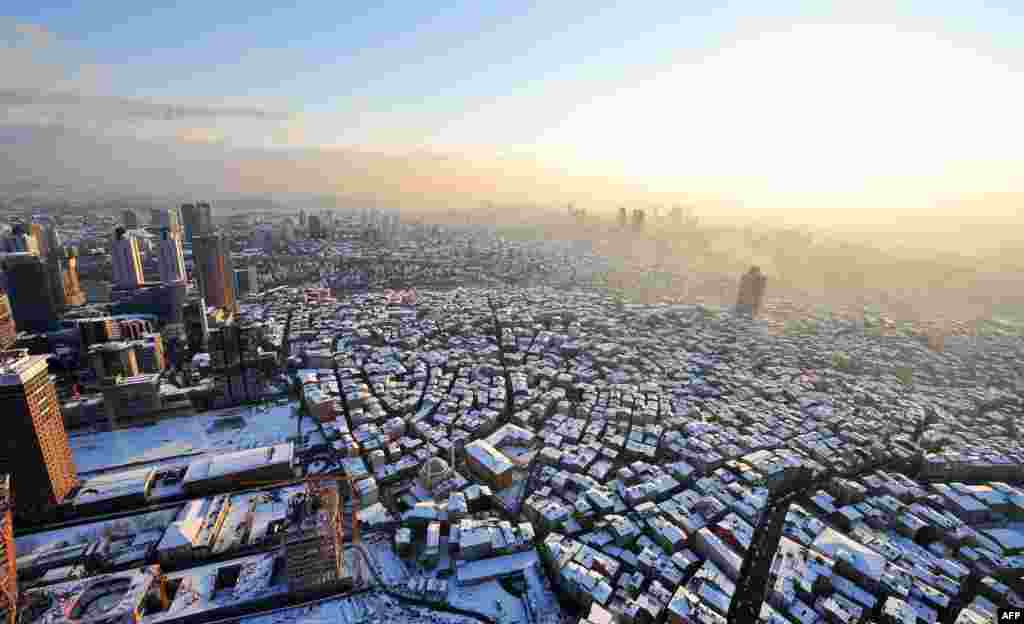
x=782, y=103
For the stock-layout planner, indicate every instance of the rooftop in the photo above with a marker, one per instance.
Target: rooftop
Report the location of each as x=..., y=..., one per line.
x=17, y=366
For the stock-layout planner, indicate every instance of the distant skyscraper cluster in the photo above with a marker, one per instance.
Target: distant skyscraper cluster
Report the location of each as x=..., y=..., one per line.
x=41, y=276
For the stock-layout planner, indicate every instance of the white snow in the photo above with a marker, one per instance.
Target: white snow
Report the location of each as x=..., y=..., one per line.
x=485, y=598
x=359, y=609
x=26, y=544
x=222, y=430
x=392, y=569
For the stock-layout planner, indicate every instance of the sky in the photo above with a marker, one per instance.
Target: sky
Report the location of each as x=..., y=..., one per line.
x=783, y=104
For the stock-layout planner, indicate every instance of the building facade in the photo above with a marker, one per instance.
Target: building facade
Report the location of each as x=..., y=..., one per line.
x=126, y=260
x=214, y=270
x=197, y=327
x=166, y=218
x=113, y=359
x=64, y=269
x=170, y=258
x=20, y=240
x=197, y=220
x=8, y=332
x=246, y=281
x=32, y=295
x=37, y=455
x=8, y=573
x=129, y=219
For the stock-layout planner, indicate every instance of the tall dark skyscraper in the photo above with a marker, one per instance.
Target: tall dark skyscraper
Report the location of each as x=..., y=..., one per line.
x=315, y=226
x=35, y=449
x=33, y=294
x=214, y=270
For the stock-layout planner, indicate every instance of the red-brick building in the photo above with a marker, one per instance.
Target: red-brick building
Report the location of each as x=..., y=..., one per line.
x=8, y=572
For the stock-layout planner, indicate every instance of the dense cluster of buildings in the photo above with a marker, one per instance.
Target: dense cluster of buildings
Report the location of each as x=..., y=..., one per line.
x=460, y=434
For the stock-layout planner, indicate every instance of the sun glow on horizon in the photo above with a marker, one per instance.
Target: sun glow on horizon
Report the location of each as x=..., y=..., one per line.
x=845, y=114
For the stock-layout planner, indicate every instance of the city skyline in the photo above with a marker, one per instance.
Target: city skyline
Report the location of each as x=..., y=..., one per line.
x=901, y=106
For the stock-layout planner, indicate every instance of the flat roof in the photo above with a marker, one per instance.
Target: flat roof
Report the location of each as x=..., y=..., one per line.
x=17, y=366
x=831, y=542
x=1008, y=539
x=484, y=569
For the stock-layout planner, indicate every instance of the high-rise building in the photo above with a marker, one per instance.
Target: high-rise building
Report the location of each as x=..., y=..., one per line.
x=171, y=257
x=164, y=300
x=197, y=326
x=8, y=332
x=189, y=218
x=166, y=218
x=34, y=303
x=62, y=268
x=37, y=455
x=8, y=573
x=65, y=261
x=246, y=280
x=263, y=239
x=149, y=353
x=132, y=401
x=53, y=239
x=20, y=240
x=214, y=270
x=239, y=365
x=197, y=220
x=113, y=359
x=38, y=232
x=127, y=262
x=129, y=219
x=315, y=227
x=302, y=218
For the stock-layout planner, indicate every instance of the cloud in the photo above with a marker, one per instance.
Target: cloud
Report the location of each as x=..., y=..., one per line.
x=115, y=107
x=46, y=83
